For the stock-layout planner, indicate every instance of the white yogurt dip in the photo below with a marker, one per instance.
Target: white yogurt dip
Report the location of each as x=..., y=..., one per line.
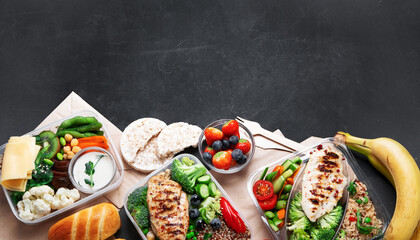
x=103, y=166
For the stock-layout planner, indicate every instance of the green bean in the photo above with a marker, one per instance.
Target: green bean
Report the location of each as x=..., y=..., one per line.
x=59, y=156
x=87, y=128
x=89, y=134
x=76, y=121
x=263, y=174
x=281, y=204
x=75, y=134
x=287, y=188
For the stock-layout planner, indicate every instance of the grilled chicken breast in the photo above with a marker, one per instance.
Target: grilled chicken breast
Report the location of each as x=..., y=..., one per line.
x=323, y=182
x=168, y=208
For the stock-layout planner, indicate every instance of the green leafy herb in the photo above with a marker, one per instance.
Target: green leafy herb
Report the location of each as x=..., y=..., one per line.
x=365, y=229
x=352, y=189
x=90, y=170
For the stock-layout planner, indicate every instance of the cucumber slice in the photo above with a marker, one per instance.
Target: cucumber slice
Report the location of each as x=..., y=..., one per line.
x=204, y=179
x=203, y=191
x=213, y=189
x=272, y=225
x=293, y=167
x=287, y=173
x=270, y=176
x=297, y=160
x=278, y=184
x=286, y=165
x=277, y=221
x=269, y=214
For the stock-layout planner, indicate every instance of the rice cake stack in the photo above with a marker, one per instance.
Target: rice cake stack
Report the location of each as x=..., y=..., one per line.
x=147, y=143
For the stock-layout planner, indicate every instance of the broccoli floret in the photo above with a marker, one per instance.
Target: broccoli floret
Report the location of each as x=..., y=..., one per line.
x=299, y=234
x=209, y=208
x=185, y=172
x=303, y=224
x=331, y=219
x=141, y=216
x=137, y=197
x=296, y=211
x=187, y=161
x=322, y=234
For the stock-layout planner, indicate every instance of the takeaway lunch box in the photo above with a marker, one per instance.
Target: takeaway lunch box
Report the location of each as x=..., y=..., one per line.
x=85, y=197
x=145, y=181
x=351, y=170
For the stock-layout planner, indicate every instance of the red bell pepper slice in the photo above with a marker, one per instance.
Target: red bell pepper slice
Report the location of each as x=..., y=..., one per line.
x=231, y=216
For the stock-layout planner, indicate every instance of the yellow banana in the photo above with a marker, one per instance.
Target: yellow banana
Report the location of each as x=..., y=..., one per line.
x=406, y=176
x=373, y=160
x=416, y=235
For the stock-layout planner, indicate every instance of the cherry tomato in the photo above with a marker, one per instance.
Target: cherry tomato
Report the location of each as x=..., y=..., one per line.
x=263, y=190
x=269, y=203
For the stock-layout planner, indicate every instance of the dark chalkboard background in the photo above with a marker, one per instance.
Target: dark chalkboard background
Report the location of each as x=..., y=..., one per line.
x=310, y=68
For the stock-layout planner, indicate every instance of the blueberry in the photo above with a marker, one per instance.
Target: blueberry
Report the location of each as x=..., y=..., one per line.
x=233, y=140
x=237, y=154
x=217, y=145
x=194, y=213
x=226, y=144
x=207, y=156
x=199, y=224
x=195, y=200
x=243, y=160
x=216, y=223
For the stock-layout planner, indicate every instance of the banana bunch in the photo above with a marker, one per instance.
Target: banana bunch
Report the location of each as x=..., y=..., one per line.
x=399, y=167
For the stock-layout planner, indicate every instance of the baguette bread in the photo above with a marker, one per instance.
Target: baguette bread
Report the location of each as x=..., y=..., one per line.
x=98, y=222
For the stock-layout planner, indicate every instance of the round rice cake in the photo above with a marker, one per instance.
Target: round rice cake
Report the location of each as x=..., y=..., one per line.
x=176, y=137
x=137, y=134
x=147, y=160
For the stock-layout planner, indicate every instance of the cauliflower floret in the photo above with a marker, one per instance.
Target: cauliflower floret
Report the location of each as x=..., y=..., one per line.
x=41, y=208
x=25, y=209
x=64, y=197
x=38, y=192
x=38, y=201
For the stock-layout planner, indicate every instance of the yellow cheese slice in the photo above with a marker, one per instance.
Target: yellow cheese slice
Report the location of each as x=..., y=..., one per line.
x=27, y=142
x=18, y=162
x=18, y=185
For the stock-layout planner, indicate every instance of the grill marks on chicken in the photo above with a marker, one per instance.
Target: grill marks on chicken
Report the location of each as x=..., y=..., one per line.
x=168, y=207
x=323, y=182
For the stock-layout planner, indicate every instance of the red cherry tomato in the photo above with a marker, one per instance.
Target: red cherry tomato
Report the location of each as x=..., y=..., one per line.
x=269, y=203
x=263, y=190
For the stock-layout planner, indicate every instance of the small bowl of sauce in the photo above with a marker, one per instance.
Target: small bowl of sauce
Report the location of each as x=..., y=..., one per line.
x=92, y=169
